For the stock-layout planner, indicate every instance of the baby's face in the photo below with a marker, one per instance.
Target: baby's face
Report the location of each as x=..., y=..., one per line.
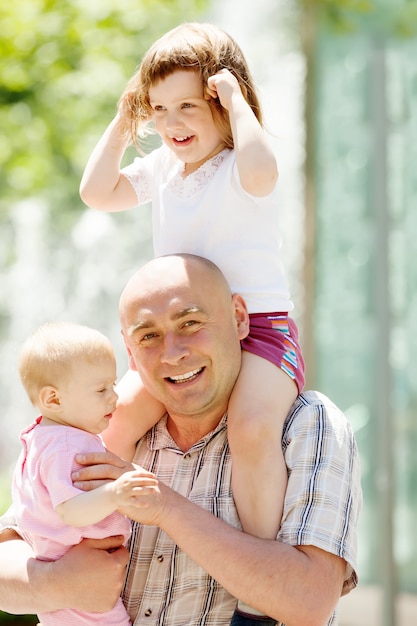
x=88, y=398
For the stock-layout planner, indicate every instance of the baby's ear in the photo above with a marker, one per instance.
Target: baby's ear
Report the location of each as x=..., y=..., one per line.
x=49, y=398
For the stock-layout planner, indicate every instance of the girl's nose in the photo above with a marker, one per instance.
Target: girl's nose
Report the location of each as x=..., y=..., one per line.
x=173, y=121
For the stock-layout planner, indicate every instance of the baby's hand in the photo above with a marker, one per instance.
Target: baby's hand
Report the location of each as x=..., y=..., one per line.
x=133, y=488
x=223, y=85
x=155, y=505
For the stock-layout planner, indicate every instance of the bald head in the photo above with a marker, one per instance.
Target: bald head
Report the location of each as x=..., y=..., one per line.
x=172, y=272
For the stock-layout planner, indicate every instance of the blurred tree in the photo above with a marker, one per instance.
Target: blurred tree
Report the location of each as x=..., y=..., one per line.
x=387, y=17
x=360, y=247
x=62, y=69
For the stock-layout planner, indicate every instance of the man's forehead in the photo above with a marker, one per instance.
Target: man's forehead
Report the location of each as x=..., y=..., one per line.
x=166, y=311
x=179, y=290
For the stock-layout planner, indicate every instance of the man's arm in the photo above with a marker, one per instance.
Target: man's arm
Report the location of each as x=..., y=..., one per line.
x=296, y=585
x=87, y=577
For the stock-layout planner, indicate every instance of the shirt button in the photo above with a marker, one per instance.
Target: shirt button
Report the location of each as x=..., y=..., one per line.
x=160, y=558
x=187, y=456
x=148, y=612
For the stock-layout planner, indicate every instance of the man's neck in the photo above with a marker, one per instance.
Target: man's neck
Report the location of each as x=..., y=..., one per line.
x=186, y=431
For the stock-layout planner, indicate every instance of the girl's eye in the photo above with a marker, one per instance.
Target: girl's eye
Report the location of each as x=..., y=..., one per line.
x=158, y=107
x=187, y=105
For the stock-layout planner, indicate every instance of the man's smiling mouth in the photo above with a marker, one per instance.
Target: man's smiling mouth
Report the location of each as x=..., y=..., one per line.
x=184, y=378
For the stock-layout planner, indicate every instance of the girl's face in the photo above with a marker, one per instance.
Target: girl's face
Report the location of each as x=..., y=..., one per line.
x=183, y=118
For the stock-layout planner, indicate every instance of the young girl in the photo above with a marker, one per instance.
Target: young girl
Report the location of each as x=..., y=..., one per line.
x=212, y=184
x=69, y=373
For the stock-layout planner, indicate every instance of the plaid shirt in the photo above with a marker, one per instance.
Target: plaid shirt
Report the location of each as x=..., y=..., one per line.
x=164, y=587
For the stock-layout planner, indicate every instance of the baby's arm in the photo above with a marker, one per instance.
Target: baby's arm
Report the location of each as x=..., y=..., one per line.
x=102, y=186
x=91, y=507
x=254, y=156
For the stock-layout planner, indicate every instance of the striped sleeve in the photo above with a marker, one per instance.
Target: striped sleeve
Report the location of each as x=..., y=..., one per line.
x=324, y=495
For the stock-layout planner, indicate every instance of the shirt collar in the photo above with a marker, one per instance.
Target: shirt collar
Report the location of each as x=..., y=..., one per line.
x=159, y=437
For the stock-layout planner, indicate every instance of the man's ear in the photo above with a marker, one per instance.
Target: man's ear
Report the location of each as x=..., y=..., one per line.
x=241, y=315
x=132, y=364
x=49, y=399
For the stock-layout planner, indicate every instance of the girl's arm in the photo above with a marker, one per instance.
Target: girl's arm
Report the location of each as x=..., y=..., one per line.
x=91, y=507
x=102, y=186
x=254, y=156
x=137, y=411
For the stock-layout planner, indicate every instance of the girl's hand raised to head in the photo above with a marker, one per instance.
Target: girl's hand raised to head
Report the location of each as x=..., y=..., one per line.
x=223, y=85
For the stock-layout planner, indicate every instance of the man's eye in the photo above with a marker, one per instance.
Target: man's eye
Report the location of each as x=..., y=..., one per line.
x=190, y=323
x=148, y=336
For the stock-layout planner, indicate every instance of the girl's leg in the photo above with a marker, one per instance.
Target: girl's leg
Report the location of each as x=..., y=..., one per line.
x=260, y=402
x=137, y=411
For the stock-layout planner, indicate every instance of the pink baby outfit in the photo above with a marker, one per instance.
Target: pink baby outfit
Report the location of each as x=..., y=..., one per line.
x=41, y=481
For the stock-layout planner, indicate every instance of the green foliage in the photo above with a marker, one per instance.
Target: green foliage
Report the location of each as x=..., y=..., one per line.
x=340, y=16
x=383, y=18
x=62, y=69
x=406, y=19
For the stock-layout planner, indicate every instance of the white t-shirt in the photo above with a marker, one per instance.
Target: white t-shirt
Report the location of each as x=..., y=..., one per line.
x=209, y=214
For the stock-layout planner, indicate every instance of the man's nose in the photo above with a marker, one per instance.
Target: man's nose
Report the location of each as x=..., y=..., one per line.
x=174, y=349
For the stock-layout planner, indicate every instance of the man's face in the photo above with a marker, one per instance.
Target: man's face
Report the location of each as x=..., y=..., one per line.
x=182, y=333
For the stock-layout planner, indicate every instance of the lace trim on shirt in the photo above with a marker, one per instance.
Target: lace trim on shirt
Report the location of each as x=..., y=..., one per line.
x=141, y=184
x=195, y=182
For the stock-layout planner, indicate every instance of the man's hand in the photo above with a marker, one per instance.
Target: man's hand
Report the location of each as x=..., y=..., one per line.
x=89, y=577
x=138, y=493
x=99, y=468
x=92, y=574
x=153, y=508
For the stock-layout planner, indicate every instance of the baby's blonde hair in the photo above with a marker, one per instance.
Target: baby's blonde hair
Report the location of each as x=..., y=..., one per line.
x=47, y=357
x=201, y=47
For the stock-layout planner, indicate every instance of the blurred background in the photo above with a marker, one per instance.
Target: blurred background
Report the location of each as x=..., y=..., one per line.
x=338, y=82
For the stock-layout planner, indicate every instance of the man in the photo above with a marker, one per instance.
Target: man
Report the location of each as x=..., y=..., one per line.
x=189, y=559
